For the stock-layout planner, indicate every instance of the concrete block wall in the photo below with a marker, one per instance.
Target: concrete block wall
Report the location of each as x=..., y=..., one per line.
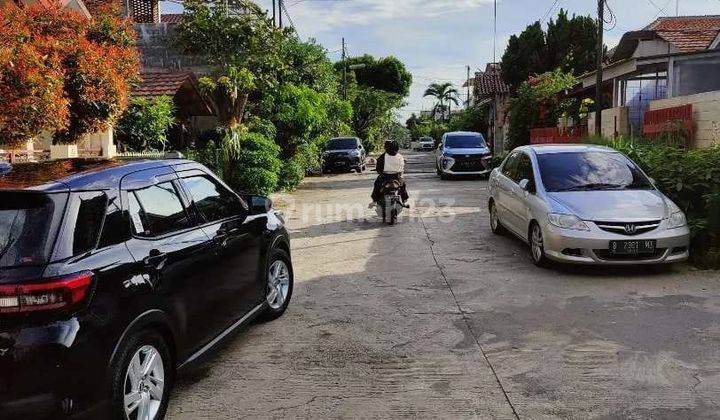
x=706, y=113
x=156, y=42
x=614, y=121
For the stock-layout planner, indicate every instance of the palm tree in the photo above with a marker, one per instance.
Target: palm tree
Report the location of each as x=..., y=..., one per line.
x=444, y=93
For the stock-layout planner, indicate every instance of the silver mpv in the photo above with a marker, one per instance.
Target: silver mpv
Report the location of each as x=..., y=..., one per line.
x=587, y=205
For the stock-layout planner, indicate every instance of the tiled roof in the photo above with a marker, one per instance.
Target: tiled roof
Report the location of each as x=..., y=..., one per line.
x=490, y=83
x=687, y=33
x=162, y=84
x=171, y=18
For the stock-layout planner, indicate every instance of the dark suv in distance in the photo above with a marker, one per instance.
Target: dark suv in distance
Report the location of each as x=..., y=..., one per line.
x=345, y=154
x=113, y=275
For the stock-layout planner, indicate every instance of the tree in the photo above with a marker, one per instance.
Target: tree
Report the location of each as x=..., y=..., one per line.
x=571, y=43
x=145, y=123
x=95, y=62
x=524, y=56
x=445, y=94
x=371, y=109
x=99, y=72
x=229, y=90
x=31, y=79
x=388, y=74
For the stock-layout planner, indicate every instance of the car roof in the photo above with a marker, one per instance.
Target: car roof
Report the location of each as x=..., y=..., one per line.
x=541, y=149
x=76, y=174
x=464, y=133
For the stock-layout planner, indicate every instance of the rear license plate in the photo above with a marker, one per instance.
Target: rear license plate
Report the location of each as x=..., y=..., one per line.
x=632, y=247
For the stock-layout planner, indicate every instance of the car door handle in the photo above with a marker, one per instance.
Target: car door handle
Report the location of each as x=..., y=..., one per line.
x=156, y=260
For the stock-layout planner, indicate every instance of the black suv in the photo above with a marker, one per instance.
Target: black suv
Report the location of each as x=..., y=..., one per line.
x=113, y=275
x=345, y=154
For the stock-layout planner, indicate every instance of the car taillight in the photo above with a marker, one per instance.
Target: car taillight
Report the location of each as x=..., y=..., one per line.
x=58, y=293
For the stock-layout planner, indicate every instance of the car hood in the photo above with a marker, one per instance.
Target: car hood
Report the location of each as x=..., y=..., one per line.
x=469, y=151
x=610, y=206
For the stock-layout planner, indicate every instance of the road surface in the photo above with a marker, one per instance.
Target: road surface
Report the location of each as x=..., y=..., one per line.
x=438, y=318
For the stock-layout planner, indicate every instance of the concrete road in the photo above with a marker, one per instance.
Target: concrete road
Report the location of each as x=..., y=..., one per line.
x=438, y=318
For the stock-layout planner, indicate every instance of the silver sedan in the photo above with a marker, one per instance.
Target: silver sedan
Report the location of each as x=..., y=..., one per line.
x=586, y=205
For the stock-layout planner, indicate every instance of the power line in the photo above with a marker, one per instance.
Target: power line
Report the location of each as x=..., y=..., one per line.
x=552, y=7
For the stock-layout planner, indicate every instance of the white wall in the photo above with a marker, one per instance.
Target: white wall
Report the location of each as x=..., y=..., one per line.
x=706, y=113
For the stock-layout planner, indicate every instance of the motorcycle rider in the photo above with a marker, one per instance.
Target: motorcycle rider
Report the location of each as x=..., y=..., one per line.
x=390, y=166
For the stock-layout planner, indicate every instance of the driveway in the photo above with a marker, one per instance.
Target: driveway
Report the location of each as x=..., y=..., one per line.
x=437, y=317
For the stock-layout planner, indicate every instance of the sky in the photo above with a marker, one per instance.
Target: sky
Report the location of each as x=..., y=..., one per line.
x=437, y=39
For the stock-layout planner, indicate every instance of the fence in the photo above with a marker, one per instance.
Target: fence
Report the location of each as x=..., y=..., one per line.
x=550, y=135
x=678, y=119
x=140, y=155
x=21, y=156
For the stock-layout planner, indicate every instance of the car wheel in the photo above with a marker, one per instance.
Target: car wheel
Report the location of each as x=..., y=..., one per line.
x=444, y=177
x=142, y=378
x=495, y=224
x=537, y=246
x=279, y=285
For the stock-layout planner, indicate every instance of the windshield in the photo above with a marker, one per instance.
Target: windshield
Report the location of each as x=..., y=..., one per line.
x=341, y=143
x=28, y=225
x=466, y=141
x=586, y=171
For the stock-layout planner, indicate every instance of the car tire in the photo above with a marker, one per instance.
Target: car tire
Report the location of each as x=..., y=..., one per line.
x=444, y=176
x=537, y=248
x=146, y=346
x=283, y=285
x=495, y=224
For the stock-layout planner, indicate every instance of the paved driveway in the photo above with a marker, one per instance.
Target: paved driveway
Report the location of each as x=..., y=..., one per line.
x=437, y=317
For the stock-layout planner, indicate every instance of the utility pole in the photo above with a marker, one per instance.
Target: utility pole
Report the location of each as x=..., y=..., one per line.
x=273, y=9
x=280, y=12
x=468, y=86
x=599, y=71
x=494, y=31
x=344, y=64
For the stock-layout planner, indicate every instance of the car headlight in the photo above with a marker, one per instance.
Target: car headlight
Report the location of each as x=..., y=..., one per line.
x=354, y=153
x=677, y=220
x=447, y=161
x=567, y=221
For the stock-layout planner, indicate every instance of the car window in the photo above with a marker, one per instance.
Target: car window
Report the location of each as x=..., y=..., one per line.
x=594, y=170
x=341, y=143
x=157, y=210
x=91, y=212
x=212, y=200
x=523, y=169
x=509, y=167
x=464, y=141
x=115, y=229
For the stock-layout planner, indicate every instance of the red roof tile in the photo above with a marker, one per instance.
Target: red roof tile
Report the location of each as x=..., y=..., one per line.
x=171, y=18
x=162, y=84
x=490, y=83
x=687, y=33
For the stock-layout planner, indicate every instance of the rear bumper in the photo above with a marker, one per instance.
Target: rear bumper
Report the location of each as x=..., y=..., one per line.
x=592, y=247
x=46, y=366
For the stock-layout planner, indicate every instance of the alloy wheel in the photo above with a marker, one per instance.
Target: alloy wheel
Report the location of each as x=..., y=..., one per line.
x=493, y=218
x=278, y=284
x=537, y=244
x=144, y=384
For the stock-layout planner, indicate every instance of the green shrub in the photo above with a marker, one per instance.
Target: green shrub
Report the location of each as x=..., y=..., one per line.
x=145, y=123
x=497, y=160
x=691, y=178
x=250, y=162
x=306, y=159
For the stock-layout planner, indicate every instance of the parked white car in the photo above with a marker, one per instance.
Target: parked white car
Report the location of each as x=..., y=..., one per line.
x=585, y=204
x=423, y=143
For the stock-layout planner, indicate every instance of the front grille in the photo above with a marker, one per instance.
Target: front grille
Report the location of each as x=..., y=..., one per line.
x=605, y=254
x=629, y=228
x=471, y=163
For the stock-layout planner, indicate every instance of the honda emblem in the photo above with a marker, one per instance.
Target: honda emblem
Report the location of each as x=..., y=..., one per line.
x=630, y=229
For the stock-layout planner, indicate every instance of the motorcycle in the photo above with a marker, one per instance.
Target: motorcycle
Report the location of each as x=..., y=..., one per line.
x=390, y=205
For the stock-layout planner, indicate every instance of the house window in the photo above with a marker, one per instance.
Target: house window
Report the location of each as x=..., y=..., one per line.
x=696, y=76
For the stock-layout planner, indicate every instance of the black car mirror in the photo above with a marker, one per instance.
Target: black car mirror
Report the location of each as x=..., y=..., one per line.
x=258, y=204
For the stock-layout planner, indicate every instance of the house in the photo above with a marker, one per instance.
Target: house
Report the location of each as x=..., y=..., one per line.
x=672, y=61
x=194, y=112
x=491, y=92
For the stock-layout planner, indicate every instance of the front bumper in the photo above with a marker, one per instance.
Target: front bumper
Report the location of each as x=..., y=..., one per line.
x=592, y=247
x=339, y=162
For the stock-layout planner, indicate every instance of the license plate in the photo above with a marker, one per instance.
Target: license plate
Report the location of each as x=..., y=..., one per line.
x=632, y=247
x=341, y=163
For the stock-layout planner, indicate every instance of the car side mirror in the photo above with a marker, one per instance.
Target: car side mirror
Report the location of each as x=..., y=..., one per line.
x=258, y=204
x=526, y=185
